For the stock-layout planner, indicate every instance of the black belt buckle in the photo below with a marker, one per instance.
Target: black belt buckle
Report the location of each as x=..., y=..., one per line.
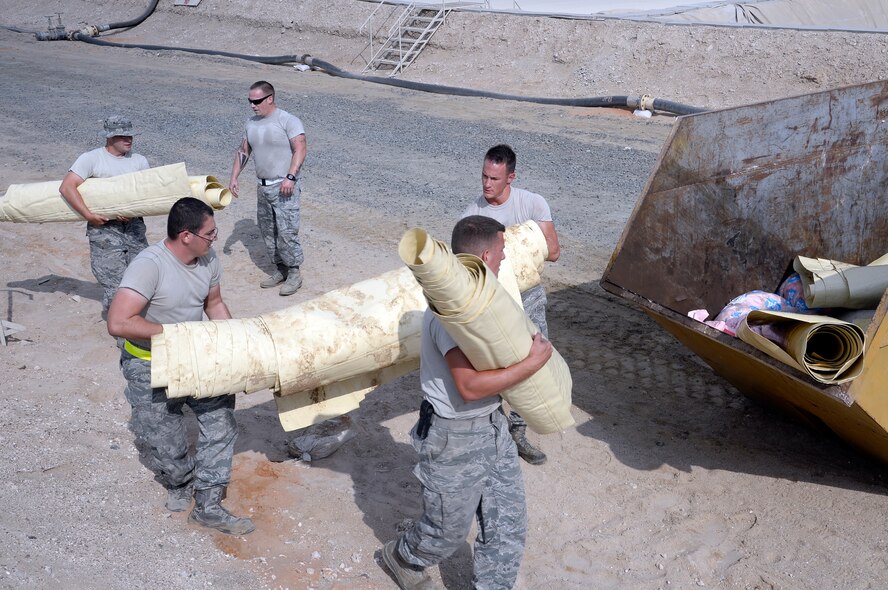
x=426, y=411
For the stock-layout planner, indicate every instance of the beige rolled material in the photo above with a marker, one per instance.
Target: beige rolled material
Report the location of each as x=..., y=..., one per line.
x=830, y=283
x=206, y=359
x=346, y=333
x=829, y=350
x=320, y=357
x=138, y=194
x=526, y=250
x=338, y=398
x=491, y=330
x=509, y=281
x=342, y=334
x=210, y=190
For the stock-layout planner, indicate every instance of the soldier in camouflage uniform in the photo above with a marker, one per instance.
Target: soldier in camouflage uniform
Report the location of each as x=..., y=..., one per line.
x=177, y=280
x=276, y=139
x=113, y=243
x=511, y=206
x=468, y=462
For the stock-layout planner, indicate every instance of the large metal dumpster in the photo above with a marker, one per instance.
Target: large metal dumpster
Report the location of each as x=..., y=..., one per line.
x=735, y=195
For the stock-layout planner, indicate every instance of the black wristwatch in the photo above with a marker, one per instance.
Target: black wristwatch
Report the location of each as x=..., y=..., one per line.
x=291, y=177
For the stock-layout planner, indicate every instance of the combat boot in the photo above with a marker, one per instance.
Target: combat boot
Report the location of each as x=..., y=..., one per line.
x=209, y=512
x=179, y=499
x=526, y=451
x=272, y=280
x=293, y=282
x=409, y=577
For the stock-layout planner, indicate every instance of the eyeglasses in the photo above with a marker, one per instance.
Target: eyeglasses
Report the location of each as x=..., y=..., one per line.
x=259, y=100
x=209, y=238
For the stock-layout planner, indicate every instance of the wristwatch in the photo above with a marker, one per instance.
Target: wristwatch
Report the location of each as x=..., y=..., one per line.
x=291, y=177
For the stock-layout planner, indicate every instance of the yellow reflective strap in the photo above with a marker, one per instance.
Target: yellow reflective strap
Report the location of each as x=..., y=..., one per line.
x=139, y=353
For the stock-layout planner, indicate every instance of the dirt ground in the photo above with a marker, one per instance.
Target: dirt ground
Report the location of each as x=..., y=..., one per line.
x=671, y=479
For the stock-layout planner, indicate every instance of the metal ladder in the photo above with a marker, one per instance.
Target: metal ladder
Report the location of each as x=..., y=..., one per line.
x=408, y=35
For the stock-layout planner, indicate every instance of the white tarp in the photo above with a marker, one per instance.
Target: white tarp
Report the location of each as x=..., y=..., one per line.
x=864, y=15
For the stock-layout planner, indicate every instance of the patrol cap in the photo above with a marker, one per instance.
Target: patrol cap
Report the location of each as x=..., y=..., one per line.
x=116, y=125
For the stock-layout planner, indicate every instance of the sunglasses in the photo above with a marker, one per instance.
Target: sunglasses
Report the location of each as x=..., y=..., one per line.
x=258, y=100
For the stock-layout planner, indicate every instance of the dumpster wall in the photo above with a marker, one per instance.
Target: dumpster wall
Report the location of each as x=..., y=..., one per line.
x=736, y=194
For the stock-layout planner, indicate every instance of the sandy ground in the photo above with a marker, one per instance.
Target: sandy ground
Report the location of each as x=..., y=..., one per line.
x=671, y=479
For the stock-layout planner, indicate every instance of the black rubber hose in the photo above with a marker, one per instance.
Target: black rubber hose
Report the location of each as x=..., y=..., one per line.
x=275, y=60
x=596, y=101
x=136, y=21
x=676, y=107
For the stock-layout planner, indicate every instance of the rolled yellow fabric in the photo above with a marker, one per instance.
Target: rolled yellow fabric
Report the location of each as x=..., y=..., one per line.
x=138, y=194
x=320, y=357
x=210, y=190
x=491, y=330
x=831, y=283
x=827, y=349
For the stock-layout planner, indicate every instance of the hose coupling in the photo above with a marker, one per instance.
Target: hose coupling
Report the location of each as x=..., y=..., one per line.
x=647, y=102
x=87, y=31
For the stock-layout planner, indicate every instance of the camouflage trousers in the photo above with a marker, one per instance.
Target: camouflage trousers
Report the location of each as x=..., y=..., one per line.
x=534, y=302
x=161, y=433
x=278, y=220
x=469, y=468
x=112, y=247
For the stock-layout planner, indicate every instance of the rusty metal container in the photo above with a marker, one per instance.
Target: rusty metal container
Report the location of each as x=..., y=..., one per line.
x=735, y=195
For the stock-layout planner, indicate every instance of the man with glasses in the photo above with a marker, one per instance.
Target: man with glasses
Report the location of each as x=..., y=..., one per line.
x=113, y=243
x=277, y=139
x=178, y=280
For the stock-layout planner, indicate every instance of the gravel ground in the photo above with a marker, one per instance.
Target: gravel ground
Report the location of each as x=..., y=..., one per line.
x=670, y=480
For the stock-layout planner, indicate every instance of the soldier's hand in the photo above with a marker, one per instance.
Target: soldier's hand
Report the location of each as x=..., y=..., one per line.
x=540, y=350
x=232, y=186
x=96, y=219
x=287, y=188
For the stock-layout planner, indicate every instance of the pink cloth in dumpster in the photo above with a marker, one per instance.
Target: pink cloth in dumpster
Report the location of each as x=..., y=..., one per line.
x=733, y=313
x=738, y=308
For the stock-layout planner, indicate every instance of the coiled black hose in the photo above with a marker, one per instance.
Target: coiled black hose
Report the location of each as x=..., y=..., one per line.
x=596, y=101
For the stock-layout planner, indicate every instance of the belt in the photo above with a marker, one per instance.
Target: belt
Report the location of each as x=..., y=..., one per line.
x=467, y=422
x=139, y=353
x=270, y=181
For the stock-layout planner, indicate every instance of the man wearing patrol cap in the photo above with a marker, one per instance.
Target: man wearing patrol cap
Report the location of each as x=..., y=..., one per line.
x=113, y=243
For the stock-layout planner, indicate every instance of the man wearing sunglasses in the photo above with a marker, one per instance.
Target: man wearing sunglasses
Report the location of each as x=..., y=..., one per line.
x=178, y=280
x=277, y=140
x=113, y=243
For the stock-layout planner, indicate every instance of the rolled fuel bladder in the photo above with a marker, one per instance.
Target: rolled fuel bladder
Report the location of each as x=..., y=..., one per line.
x=210, y=190
x=829, y=350
x=138, y=194
x=491, y=330
x=832, y=283
x=320, y=357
